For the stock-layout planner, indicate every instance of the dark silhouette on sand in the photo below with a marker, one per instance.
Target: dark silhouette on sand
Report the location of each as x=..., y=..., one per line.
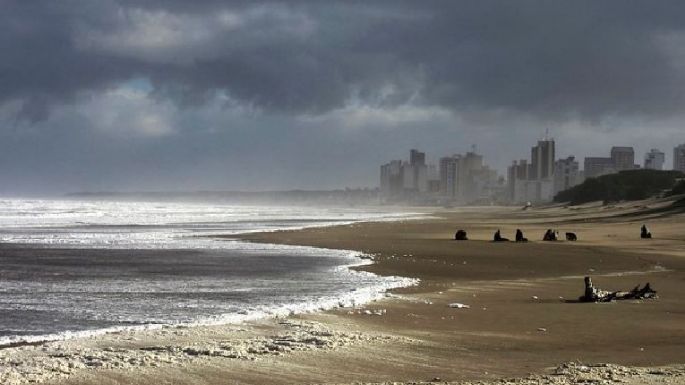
x=498, y=237
x=550, y=235
x=520, y=237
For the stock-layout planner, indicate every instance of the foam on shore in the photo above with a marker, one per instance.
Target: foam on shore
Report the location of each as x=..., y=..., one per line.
x=354, y=298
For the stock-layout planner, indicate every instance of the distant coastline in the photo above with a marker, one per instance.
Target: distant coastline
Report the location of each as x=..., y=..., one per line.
x=356, y=196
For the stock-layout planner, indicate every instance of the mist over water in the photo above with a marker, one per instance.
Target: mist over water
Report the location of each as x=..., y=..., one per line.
x=79, y=266
x=169, y=225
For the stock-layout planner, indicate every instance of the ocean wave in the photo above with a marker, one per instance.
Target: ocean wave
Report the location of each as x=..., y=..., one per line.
x=88, y=303
x=349, y=299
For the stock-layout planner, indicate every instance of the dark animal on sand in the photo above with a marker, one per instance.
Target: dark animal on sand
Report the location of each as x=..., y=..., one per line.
x=520, y=237
x=571, y=237
x=645, y=233
x=498, y=237
x=593, y=294
x=460, y=235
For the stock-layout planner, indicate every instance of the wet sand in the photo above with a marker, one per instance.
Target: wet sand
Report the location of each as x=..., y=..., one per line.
x=520, y=320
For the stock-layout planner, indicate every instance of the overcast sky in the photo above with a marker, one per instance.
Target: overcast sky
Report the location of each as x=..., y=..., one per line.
x=190, y=95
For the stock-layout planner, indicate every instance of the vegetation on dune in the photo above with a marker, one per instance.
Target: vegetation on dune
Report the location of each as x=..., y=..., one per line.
x=625, y=185
x=679, y=188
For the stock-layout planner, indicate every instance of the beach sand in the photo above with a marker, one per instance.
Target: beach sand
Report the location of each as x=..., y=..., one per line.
x=522, y=320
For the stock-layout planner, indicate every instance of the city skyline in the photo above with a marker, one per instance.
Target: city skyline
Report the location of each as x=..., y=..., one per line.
x=467, y=178
x=639, y=157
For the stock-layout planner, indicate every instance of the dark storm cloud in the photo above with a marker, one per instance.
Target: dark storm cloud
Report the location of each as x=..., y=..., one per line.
x=553, y=59
x=177, y=94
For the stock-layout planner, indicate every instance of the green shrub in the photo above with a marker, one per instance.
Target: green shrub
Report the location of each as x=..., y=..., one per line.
x=625, y=185
x=679, y=188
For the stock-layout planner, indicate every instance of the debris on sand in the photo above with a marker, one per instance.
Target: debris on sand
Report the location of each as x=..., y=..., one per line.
x=458, y=305
x=593, y=294
x=573, y=373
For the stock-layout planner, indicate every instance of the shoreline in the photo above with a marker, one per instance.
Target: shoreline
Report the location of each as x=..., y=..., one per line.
x=354, y=299
x=606, y=250
x=278, y=311
x=415, y=331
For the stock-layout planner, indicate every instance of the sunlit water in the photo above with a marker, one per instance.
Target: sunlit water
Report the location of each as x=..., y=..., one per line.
x=80, y=267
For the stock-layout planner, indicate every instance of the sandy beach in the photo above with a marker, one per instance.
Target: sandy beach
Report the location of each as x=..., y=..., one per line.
x=521, y=323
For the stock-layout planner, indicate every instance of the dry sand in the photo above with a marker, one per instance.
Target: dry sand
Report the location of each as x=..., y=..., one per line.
x=519, y=324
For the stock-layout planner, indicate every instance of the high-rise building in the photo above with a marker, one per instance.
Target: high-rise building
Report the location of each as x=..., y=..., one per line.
x=469, y=167
x=409, y=180
x=416, y=172
x=449, y=169
x=517, y=176
x=679, y=158
x=566, y=174
x=655, y=159
x=534, y=181
x=459, y=179
x=542, y=160
x=433, y=185
x=598, y=166
x=391, y=178
x=623, y=158
x=465, y=179
x=417, y=157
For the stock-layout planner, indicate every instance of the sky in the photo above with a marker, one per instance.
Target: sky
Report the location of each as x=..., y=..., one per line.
x=119, y=95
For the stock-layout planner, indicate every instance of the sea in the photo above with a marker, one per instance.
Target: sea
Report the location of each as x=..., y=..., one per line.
x=72, y=268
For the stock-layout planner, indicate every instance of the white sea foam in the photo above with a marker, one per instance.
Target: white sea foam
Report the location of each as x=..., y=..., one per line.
x=353, y=298
x=154, y=225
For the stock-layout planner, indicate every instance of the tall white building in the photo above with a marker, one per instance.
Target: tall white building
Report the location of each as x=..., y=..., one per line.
x=679, y=158
x=470, y=166
x=391, y=178
x=655, y=159
x=408, y=176
x=534, y=181
x=460, y=179
x=449, y=169
x=466, y=179
x=566, y=174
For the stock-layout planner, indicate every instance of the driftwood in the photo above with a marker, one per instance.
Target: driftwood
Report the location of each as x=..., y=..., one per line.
x=593, y=294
